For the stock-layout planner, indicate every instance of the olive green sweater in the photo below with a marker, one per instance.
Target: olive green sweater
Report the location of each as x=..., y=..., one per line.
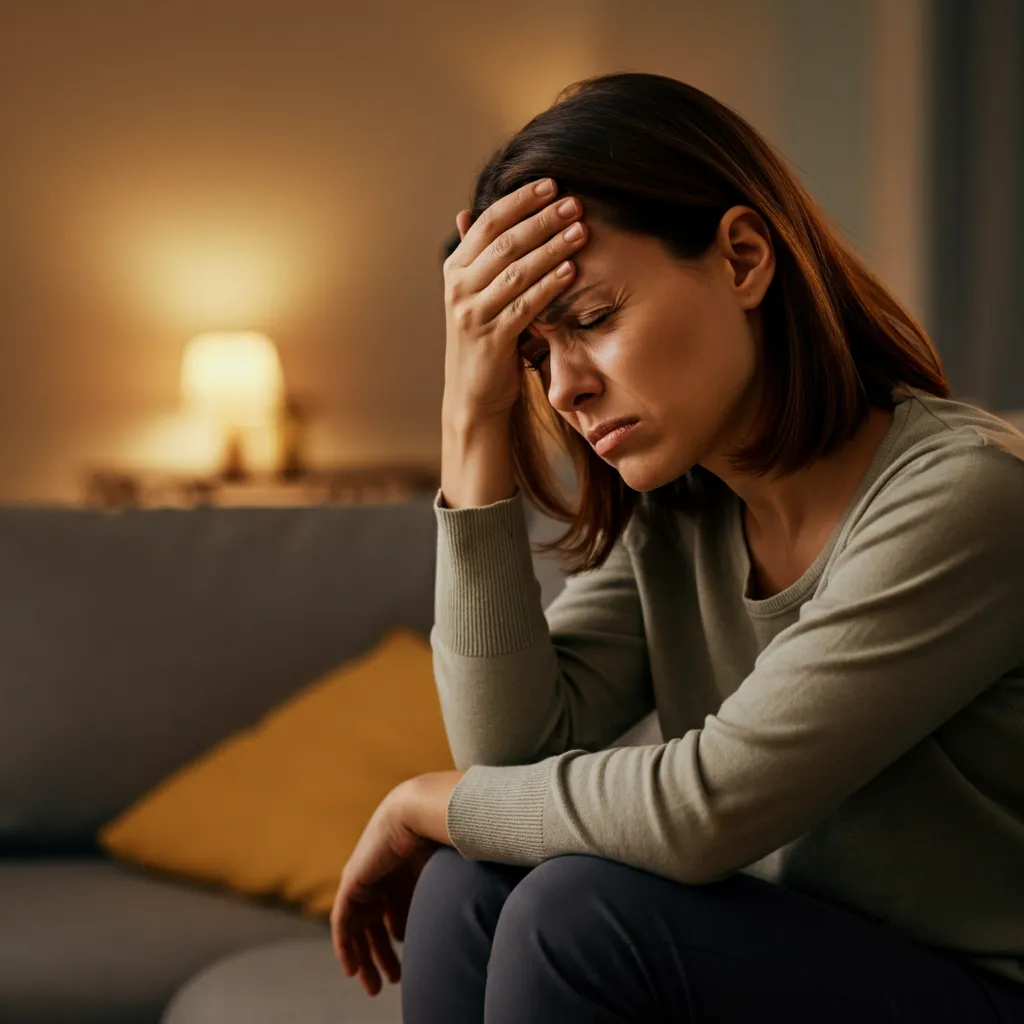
x=858, y=736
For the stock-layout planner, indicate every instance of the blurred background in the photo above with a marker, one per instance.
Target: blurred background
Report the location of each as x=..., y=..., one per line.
x=213, y=208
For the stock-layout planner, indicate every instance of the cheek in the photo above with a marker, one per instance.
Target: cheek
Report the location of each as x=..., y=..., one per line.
x=719, y=352
x=703, y=368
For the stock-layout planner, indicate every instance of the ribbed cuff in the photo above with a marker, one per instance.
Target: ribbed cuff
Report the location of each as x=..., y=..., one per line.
x=497, y=813
x=487, y=597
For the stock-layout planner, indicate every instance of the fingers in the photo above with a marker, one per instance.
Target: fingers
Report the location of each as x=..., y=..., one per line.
x=368, y=973
x=364, y=949
x=397, y=915
x=382, y=949
x=349, y=958
x=520, y=256
x=521, y=291
x=398, y=896
x=346, y=954
x=498, y=218
x=369, y=952
x=346, y=950
x=336, y=932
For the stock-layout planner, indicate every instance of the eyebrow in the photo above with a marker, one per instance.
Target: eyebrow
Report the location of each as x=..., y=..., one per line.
x=556, y=310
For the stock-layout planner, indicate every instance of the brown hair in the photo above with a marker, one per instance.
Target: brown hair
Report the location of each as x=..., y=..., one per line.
x=650, y=154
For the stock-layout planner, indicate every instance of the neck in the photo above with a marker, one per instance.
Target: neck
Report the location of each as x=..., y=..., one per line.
x=785, y=507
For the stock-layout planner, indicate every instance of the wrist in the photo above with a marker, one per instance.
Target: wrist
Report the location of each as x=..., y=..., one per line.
x=477, y=465
x=421, y=804
x=463, y=426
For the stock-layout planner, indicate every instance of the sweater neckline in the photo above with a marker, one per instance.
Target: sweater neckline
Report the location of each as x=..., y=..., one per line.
x=796, y=591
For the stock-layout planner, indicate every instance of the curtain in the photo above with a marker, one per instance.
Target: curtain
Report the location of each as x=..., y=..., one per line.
x=976, y=222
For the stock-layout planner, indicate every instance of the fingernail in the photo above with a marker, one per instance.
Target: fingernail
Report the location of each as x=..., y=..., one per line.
x=545, y=187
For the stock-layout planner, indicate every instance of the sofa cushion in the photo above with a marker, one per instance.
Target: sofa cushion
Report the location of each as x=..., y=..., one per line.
x=132, y=641
x=277, y=809
x=287, y=982
x=90, y=940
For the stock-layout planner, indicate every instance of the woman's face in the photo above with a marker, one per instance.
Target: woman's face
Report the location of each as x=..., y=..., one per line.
x=671, y=345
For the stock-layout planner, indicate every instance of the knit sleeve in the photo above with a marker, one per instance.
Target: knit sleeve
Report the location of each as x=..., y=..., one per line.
x=922, y=610
x=518, y=683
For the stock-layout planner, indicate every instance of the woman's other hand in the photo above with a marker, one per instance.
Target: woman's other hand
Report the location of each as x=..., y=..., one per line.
x=378, y=880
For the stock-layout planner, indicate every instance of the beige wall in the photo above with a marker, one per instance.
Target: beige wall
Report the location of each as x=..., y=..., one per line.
x=294, y=167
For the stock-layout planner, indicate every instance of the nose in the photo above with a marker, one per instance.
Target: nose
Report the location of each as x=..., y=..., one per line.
x=571, y=380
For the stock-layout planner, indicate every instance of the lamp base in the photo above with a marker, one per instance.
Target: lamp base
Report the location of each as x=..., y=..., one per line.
x=233, y=468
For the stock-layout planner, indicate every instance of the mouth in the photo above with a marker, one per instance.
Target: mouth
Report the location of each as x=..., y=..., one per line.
x=606, y=436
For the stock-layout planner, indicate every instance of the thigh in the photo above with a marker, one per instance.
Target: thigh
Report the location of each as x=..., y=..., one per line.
x=452, y=917
x=586, y=938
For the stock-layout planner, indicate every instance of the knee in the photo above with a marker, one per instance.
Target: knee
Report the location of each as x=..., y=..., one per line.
x=448, y=871
x=564, y=897
x=565, y=941
x=588, y=902
x=454, y=896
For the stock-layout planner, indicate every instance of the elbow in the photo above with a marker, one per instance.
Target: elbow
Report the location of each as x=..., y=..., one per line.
x=463, y=759
x=465, y=753
x=493, y=753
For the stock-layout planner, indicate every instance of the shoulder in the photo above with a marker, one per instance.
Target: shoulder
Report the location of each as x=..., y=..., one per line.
x=949, y=489
x=952, y=455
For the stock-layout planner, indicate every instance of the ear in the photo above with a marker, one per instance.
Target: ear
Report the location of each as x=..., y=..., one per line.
x=745, y=243
x=463, y=220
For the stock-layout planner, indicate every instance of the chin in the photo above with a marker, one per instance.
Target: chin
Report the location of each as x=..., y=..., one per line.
x=646, y=472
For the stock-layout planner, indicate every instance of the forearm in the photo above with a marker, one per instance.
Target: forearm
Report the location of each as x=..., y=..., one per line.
x=476, y=461
x=496, y=671
x=517, y=682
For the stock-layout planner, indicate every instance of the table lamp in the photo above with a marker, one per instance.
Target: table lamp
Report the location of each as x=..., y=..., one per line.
x=235, y=379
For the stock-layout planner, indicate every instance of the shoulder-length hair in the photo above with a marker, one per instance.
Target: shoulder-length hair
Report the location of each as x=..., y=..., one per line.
x=650, y=154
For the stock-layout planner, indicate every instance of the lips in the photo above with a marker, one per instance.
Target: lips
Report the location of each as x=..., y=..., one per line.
x=595, y=435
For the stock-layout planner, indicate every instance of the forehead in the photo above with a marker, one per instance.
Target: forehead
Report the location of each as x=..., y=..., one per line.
x=593, y=266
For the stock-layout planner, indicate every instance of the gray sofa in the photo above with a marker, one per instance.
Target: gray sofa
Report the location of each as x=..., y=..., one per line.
x=130, y=642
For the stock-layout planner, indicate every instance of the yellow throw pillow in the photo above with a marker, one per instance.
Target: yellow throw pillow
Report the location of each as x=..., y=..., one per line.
x=275, y=810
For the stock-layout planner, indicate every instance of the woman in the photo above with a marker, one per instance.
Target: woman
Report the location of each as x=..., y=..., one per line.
x=789, y=541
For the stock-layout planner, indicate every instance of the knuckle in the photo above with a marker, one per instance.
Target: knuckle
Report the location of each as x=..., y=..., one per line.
x=512, y=275
x=454, y=290
x=464, y=318
x=486, y=220
x=517, y=307
x=502, y=245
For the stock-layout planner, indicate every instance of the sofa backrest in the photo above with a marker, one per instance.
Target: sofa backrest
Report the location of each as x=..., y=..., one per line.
x=132, y=641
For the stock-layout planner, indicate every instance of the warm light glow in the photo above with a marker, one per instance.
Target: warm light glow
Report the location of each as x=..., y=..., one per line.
x=187, y=252
x=234, y=377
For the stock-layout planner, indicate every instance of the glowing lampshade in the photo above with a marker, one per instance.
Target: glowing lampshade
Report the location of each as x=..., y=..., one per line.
x=234, y=377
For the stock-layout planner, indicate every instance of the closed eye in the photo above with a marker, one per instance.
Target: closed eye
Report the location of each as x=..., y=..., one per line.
x=589, y=325
x=580, y=326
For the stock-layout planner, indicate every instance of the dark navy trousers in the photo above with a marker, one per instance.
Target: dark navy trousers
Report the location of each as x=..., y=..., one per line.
x=581, y=938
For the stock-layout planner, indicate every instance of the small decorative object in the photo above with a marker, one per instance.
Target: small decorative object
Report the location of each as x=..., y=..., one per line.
x=235, y=378
x=294, y=418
